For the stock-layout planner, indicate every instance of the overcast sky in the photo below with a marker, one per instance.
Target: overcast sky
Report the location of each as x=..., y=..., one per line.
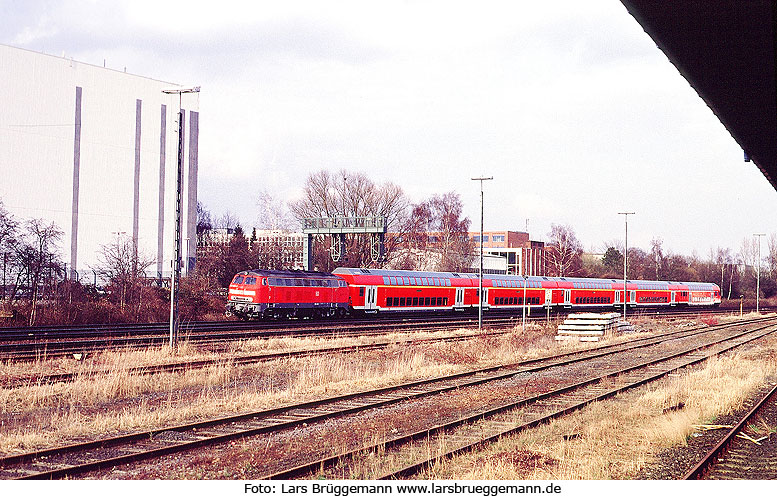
x=569, y=105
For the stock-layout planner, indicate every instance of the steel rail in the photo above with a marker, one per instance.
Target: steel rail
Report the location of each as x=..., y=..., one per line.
x=275, y=414
x=35, y=348
x=42, y=379
x=317, y=464
x=47, y=341
x=703, y=466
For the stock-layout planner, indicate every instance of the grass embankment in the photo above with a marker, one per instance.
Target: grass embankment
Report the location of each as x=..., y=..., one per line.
x=616, y=438
x=119, y=401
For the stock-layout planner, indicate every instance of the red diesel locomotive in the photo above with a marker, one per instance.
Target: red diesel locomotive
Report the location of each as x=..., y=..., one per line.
x=284, y=294
x=263, y=293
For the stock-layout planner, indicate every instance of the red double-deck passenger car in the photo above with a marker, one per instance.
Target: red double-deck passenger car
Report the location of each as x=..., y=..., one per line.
x=263, y=293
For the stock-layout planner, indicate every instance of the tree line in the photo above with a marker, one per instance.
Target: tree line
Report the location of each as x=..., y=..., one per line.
x=431, y=234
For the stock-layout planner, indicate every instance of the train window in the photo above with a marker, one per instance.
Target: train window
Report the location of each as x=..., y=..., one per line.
x=361, y=291
x=238, y=280
x=341, y=283
x=445, y=301
x=401, y=301
x=389, y=301
x=426, y=301
x=385, y=280
x=405, y=281
x=415, y=301
x=264, y=281
x=447, y=284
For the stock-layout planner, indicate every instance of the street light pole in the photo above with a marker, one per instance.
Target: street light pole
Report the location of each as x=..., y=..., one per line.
x=480, y=275
x=176, y=271
x=758, y=277
x=625, y=260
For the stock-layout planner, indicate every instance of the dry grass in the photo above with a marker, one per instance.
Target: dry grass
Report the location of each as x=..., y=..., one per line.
x=121, y=401
x=614, y=439
x=39, y=416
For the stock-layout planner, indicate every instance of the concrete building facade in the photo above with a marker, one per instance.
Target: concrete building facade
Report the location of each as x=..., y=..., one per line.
x=95, y=150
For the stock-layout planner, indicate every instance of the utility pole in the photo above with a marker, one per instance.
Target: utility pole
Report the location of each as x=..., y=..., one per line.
x=480, y=281
x=625, y=260
x=758, y=277
x=176, y=271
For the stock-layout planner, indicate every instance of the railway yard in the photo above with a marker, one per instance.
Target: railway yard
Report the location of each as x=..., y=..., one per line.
x=403, y=400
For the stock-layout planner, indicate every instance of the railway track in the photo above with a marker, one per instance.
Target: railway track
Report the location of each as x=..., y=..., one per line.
x=76, y=459
x=236, y=360
x=51, y=343
x=36, y=343
x=748, y=450
x=41, y=378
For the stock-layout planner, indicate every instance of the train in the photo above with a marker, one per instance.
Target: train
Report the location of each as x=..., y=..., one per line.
x=259, y=294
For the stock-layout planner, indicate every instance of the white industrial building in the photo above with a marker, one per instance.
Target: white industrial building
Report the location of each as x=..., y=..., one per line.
x=95, y=150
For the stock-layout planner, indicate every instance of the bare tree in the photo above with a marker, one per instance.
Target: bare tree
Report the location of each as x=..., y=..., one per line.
x=123, y=270
x=273, y=213
x=40, y=258
x=204, y=224
x=349, y=195
x=564, y=251
x=657, y=258
x=772, y=254
x=8, y=236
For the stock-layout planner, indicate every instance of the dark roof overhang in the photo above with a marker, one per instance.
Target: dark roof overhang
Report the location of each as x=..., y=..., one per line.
x=726, y=50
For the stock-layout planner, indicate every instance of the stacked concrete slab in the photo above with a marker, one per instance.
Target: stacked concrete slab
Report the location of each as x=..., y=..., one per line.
x=591, y=326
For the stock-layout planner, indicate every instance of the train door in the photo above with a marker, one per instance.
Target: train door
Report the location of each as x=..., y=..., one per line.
x=459, y=304
x=484, y=300
x=618, y=297
x=567, y=297
x=672, y=300
x=633, y=297
x=371, y=297
x=548, y=297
